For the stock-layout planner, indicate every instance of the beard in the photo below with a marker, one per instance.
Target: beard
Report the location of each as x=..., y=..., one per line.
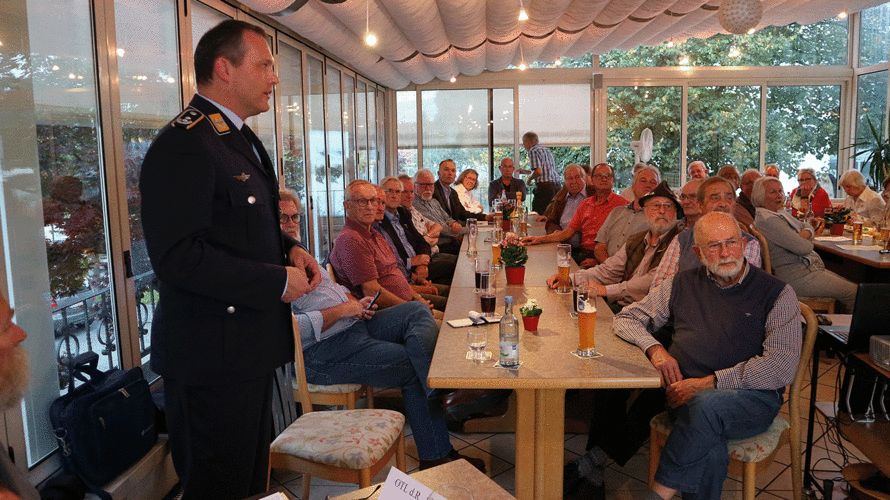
x=726, y=268
x=14, y=377
x=661, y=225
x=426, y=196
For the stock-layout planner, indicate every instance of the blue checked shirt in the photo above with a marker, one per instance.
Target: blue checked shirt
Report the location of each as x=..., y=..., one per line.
x=540, y=157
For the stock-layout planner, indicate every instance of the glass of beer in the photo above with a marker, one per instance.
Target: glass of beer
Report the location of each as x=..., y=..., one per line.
x=885, y=234
x=586, y=305
x=483, y=273
x=496, y=252
x=563, y=264
x=488, y=299
x=523, y=221
x=857, y=232
x=579, y=285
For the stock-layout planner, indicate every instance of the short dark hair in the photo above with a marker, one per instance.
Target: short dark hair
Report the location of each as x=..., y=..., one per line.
x=226, y=39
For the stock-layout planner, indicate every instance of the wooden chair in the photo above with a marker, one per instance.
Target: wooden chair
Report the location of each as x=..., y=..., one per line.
x=349, y=446
x=765, y=263
x=341, y=395
x=749, y=457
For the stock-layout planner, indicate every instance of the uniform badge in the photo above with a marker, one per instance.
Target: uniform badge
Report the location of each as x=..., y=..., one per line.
x=243, y=177
x=188, y=118
x=219, y=123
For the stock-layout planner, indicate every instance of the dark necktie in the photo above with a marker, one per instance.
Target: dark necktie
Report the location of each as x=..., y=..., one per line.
x=258, y=146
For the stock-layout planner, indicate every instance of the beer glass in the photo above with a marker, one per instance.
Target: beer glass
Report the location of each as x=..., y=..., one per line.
x=579, y=285
x=488, y=299
x=523, y=221
x=483, y=273
x=885, y=234
x=857, y=232
x=496, y=251
x=586, y=305
x=563, y=264
x=471, y=237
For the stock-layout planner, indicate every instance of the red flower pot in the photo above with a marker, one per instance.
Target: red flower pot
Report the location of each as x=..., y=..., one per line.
x=837, y=229
x=530, y=323
x=515, y=275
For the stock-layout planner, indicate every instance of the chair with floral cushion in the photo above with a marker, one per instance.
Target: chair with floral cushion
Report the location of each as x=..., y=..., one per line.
x=349, y=446
x=749, y=457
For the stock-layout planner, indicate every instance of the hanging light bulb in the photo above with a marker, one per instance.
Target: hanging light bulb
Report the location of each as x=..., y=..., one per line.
x=453, y=79
x=370, y=38
x=522, y=66
x=558, y=62
x=842, y=15
x=523, y=15
x=752, y=31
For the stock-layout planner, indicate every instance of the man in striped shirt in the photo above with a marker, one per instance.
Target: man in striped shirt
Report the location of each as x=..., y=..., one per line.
x=735, y=347
x=543, y=172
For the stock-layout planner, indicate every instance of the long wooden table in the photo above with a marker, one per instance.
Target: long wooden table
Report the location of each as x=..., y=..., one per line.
x=548, y=365
x=858, y=266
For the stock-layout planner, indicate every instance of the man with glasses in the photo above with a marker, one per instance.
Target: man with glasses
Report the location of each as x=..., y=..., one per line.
x=735, y=346
x=588, y=217
x=361, y=257
x=628, y=219
x=744, y=210
x=426, y=204
x=428, y=229
x=506, y=184
x=290, y=208
x=689, y=203
x=618, y=431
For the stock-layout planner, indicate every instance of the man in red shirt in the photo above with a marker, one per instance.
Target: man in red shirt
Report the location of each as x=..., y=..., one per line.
x=588, y=218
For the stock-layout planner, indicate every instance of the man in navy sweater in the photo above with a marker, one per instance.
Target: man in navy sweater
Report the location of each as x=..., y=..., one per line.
x=735, y=346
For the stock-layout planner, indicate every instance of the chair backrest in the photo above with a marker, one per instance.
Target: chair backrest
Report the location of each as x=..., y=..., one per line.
x=806, y=350
x=794, y=398
x=332, y=272
x=300, y=367
x=284, y=407
x=764, y=250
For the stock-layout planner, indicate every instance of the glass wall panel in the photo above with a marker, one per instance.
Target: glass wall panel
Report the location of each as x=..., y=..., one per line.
x=317, y=169
x=349, y=128
x=818, y=43
x=871, y=110
x=335, y=148
x=384, y=167
x=502, y=121
x=52, y=201
x=203, y=18
x=802, y=130
x=150, y=96
x=724, y=127
x=375, y=170
x=874, y=35
x=406, y=131
x=632, y=109
x=563, y=129
x=361, y=122
x=455, y=125
x=290, y=92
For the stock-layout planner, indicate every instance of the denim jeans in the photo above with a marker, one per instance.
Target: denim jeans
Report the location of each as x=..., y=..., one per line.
x=695, y=458
x=392, y=349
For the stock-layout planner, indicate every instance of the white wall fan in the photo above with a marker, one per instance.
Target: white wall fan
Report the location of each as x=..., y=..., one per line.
x=643, y=147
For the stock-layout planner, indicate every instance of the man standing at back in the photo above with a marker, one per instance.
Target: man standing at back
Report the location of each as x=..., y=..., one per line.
x=222, y=324
x=543, y=172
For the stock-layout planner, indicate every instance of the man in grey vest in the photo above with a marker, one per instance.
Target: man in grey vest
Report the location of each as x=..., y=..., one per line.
x=735, y=346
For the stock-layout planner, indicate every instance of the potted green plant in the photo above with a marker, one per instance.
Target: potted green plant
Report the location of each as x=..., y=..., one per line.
x=514, y=255
x=835, y=218
x=531, y=314
x=877, y=154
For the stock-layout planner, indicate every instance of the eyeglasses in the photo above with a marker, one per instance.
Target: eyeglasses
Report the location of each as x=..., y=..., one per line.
x=660, y=206
x=284, y=218
x=363, y=203
x=425, y=184
x=691, y=196
x=807, y=179
x=716, y=247
x=601, y=177
x=393, y=191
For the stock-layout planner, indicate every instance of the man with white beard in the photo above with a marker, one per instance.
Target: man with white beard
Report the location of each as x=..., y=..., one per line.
x=13, y=385
x=735, y=346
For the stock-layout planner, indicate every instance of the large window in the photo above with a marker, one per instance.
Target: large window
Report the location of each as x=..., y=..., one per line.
x=724, y=126
x=874, y=36
x=871, y=110
x=290, y=94
x=455, y=126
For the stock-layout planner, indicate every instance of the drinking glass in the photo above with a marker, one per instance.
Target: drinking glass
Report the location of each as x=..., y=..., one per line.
x=483, y=273
x=563, y=264
x=477, y=341
x=885, y=234
x=488, y=299
x=523, y=221
x=586, y=324
x=857, y=232
x=579, y=285
x=471, y=237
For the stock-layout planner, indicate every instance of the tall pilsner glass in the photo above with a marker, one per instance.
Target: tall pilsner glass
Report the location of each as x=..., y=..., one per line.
x=563, y=264
x=586, y=304
x=471, y=237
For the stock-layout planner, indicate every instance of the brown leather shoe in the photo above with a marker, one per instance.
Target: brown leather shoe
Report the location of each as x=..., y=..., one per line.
x=460, y=404
x=451, y=457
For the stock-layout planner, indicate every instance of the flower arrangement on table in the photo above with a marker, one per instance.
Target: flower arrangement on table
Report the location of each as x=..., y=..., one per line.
x=530, y=309
x=513, y=252
x=836, y=214
x=507, y=208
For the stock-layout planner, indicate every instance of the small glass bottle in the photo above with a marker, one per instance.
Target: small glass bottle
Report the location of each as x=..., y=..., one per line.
x=509, y=336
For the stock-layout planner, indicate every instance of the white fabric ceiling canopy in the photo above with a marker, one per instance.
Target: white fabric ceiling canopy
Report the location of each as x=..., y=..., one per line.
x=420, y=40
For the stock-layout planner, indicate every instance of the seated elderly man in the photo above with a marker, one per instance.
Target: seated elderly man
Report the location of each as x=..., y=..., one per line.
x=715, y=194
x=506, y=184
x=628, y=193
x=864, y=202
x=697, y=170
x=290, y=208
x=791, y=247
x=428, y=229
x=744, y=210
x=730, y=173
x=588, y=216
x=362, y=259
x=689, y=203
x=735, y=346
x=447, y=197
x=627, y=220
x=566, y=202
x=426, y=204
x=625, y=277
x=345, y=342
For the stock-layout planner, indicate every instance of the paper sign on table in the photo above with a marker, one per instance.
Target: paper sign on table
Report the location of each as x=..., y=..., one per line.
x=401, y=486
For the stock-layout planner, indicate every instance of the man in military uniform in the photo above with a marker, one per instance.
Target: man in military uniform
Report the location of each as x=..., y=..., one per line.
x=227, y=273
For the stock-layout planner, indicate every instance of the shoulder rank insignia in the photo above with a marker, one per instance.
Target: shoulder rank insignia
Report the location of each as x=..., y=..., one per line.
x=243, y=177
x=188, y=118
x=219, y=123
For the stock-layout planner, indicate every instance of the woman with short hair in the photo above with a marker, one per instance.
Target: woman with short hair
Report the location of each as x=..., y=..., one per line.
x=864, y=202
x=809, y=188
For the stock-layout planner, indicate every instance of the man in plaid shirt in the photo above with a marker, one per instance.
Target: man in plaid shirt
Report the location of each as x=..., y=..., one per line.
x=735, y=346
x=543, y=172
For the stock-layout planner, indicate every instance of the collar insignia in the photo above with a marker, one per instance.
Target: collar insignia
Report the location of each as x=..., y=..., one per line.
x=219, y=123
x=243, y=177
x=188, y=118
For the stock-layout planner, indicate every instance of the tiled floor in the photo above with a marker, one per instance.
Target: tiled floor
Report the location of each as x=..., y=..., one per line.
x=629, y=482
